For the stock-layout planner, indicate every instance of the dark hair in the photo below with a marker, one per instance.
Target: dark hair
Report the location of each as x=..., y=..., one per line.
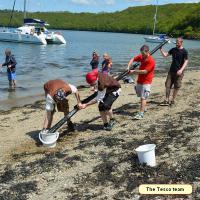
x=95, y=54
x=144, y=48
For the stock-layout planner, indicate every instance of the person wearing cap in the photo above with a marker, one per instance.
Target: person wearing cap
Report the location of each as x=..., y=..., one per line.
x=108, y=91
x=56, y=92
x=95, y=60
x=11, y=63
x=145, y=76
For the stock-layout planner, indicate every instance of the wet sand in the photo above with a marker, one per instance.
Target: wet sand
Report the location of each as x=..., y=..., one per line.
x=95, y=164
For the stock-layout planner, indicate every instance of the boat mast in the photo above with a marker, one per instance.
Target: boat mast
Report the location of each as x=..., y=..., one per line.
x=12, y=14
x=24, y=9
x=155, y=18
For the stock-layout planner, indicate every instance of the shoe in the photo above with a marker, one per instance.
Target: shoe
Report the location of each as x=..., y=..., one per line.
x=107, y=127
x=139, y=116
x=164, y=103
x=71, y=126
x=112, y=122
x=172, y=103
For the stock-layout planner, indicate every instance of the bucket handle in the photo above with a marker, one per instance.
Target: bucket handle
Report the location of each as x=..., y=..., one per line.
x=47, y=143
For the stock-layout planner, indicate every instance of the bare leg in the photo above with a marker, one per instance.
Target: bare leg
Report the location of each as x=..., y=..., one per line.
x=103, y=117
x=168, y=90
x=14, y=83
x=48, y=119
x=10, y=84
x=143, y=104
x=175, y=94
x=109, y=113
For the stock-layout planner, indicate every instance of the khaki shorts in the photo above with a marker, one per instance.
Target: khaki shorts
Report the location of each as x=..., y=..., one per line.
x=173, y=80
x=62, y=106
x=143, y=91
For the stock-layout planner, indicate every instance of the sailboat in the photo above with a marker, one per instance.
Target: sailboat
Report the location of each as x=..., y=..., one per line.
x=155, y=38
x=33, y=31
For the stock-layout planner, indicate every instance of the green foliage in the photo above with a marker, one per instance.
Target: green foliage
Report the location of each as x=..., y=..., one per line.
x=173, y=19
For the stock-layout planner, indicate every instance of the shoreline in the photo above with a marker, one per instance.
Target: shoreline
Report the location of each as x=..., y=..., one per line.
x=22, y=101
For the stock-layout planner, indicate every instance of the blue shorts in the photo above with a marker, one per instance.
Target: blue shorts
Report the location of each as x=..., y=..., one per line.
x=11, y=76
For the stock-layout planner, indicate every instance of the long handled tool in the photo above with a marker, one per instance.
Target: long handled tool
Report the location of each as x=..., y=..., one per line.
x=70, y=114
x=75, y=110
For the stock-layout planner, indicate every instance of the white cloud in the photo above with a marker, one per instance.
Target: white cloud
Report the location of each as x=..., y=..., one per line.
x=191, y=1
x=80, y=2
x=139, y=1
x=109, y=2
x=93, y=2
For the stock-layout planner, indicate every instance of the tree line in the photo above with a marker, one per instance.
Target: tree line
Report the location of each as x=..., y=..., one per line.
x=173, y=19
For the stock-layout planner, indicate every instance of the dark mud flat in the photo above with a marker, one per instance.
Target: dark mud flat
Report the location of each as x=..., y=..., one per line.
x=95, y=164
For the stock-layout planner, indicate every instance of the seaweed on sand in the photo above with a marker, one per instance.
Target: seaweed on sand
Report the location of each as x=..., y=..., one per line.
x=19, y=191
x=73, y=159
x=102, y=140
x=8, y=175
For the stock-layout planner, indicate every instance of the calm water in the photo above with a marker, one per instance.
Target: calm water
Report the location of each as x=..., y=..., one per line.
x=37, y=63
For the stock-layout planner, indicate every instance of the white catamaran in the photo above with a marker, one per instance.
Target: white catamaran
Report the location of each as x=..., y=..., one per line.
x=33, y=31
x=156, y=38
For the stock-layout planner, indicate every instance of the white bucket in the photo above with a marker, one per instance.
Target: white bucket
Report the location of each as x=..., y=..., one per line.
x=48, y=139
x=146, y=154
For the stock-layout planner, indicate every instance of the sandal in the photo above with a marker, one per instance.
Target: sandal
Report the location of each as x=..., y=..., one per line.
x=164, y=103
x=172, y=103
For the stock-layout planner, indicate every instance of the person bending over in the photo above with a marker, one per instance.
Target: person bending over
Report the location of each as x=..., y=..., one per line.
x=56, y=92
x=108, y=91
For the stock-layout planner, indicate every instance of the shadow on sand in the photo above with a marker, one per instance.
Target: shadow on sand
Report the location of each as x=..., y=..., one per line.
x=34, y=135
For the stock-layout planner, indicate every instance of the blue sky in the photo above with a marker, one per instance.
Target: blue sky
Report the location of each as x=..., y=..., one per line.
x=83, y=5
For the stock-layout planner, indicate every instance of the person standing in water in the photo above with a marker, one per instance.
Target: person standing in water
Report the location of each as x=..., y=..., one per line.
x=11, y=63
x=106, y=64
x=95, y=60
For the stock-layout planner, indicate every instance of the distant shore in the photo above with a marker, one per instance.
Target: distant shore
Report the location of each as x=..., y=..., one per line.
x=131, y=20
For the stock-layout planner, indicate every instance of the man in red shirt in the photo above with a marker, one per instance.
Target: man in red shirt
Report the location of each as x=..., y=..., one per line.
x=145, y=76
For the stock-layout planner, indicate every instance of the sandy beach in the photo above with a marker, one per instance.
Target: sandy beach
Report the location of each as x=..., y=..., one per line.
x=95, y=164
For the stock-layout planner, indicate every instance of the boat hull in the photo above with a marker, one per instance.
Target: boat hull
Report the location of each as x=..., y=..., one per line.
x=55, y=38
x=153, y=39
x=18, y=37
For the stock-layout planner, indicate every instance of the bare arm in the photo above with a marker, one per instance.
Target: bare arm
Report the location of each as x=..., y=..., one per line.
x=137, y=71
x=180, y=71
x=83, y=106
x=130, y=63
x=109, y=65
x=164, y=54
x=77, y=97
